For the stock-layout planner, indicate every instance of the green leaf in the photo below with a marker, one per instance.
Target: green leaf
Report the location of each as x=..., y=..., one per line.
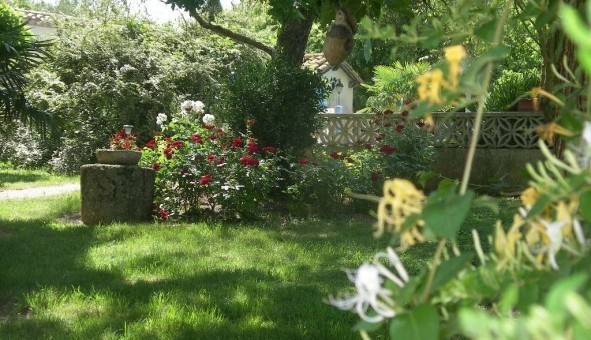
x=509, y=299
x=363, y=325
x=420, y=324
x=473, y=74
x=486, y=32
x=367, y=49
x=574, y=27
x=585, y=206
x=449, y=269
x=528, y=295
x=425, y=176
x=540, y=205
x=445, y=211
x=486, y=202
x=584, y=55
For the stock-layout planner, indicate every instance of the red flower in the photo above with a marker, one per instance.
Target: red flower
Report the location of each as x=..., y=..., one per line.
x=166, y=139
x=163, y=214
x=270, y=149
x=387, y=112
x=184, y=171
x=151, y=143
x=399, y=127
x=208, y=127
x=253, y=147
x=404, y=114
x=220, y=161
x=315, y=163
x=213, y=137
x=247, y=161
x=205, y=179
x=156, y=166
x=335, y=155
x=303, y=161
x=250, y=122
x=387, y=124
x=379, y=138
x=375, y=176
x=237, y=143
x=367, y=146
x=349, y=160
x=210, y=158
x=388, y=149
x=421, y=123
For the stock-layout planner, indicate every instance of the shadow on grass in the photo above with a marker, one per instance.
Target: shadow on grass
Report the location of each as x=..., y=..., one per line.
x=26, y=177
x=231, y=303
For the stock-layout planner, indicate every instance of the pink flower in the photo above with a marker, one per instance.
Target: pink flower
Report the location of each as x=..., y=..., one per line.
x=253, y=147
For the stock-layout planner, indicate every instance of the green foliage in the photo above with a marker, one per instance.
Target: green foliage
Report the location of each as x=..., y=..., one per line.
x=280, y=101
x=509, y=87
x=105, y=75
x=393, y=84
x=19, y=53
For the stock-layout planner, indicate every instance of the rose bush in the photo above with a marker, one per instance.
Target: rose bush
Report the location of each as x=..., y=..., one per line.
x=202, y=167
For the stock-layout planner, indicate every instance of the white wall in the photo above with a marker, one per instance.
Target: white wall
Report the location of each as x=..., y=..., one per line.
x=42, y=32
x=346, y=97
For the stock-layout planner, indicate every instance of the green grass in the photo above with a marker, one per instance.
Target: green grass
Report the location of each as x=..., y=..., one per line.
x=184, y=281
x=21, y=179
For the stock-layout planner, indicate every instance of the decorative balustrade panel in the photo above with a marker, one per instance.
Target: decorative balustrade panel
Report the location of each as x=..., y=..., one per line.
x=499, y=130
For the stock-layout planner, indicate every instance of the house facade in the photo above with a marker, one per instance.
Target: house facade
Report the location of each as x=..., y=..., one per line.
x=342, y=78
x=40, y=23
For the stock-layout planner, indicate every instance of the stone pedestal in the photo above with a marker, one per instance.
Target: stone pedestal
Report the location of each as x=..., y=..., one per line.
x=116, y=193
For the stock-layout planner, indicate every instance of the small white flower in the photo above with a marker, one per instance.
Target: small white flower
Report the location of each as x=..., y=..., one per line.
x=187, y=105
x=198, y=106
x=587, y=133
x=554, y=233
x=161, y=118
x=208, y=119
x=368, y=280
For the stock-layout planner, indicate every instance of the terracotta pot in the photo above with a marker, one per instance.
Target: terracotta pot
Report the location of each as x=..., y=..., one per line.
x=118, y=157
x=525, y=105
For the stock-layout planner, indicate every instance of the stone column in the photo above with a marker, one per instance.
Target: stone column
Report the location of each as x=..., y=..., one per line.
x=116, y=193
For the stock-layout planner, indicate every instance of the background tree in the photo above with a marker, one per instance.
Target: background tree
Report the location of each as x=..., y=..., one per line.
x=19, y=53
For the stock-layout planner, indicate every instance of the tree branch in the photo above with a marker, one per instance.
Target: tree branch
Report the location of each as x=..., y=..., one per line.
x=230, y=34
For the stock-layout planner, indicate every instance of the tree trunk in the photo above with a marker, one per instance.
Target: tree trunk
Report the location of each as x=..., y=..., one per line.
x=559, y=51
x=292, y=39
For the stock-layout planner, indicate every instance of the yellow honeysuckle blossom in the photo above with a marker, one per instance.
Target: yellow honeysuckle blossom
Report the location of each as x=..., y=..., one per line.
x=401, y=199
x=453, y=56
x=529, y=197
x=548, y=131
x=506, y=243
x=429, y=88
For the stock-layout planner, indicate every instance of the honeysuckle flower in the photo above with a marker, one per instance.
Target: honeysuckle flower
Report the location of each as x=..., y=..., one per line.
x=429, y=88
x=529, y=197
x=453, y=56
x=161, y=118
x=548, y=131
x=370, y=293
x=208, y=119
x=506, y=243
x=587, y=133
x=552, y=238
x=401, y=199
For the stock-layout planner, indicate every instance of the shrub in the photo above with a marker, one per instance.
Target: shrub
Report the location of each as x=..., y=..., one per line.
x=509, y=87
x=206, y=168
x=278, y=102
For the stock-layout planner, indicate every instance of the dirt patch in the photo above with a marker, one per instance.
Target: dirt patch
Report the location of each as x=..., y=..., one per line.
x=4, y=233
x=41, y=191
x=71, y=219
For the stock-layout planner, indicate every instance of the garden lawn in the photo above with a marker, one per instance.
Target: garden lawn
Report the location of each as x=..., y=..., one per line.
x=268, y=280
x=21, y=179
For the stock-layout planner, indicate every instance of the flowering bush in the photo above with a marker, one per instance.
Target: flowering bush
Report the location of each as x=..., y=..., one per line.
x=203, y=167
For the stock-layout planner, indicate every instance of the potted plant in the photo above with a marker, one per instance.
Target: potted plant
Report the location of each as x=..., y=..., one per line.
x=122, y=149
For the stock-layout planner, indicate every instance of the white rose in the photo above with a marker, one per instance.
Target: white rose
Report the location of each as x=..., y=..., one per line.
x=208, y=119
x=161, y=119
x=187, y=105
x=198, y=106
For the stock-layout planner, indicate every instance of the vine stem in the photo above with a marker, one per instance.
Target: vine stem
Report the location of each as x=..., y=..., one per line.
x=480, y=112
x=473, y=142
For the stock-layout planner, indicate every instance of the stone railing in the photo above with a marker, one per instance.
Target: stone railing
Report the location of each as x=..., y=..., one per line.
x=500, y=130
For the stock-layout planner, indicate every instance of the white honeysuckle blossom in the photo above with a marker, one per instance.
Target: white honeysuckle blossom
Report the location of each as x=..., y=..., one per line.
x=198, y=106
x=161, y=118
x=554, y=233
x=587, y=133
x=368, y=280
x=187, y=105
x=208, y=119
x=578, y=232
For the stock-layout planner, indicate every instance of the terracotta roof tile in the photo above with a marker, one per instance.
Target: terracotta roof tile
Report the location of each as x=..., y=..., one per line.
x=317, y=62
